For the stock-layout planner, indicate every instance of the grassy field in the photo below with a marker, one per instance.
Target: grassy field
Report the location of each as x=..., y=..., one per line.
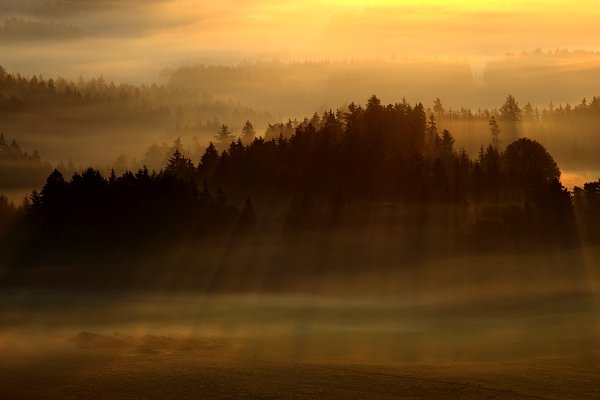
x=480, y=327
x=258, y=346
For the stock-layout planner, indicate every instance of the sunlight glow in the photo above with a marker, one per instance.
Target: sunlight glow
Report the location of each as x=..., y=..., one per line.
x=175, y=31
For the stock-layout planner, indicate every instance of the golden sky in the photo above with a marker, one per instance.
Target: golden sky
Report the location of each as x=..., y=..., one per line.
x=355, y=28
x=131, y=37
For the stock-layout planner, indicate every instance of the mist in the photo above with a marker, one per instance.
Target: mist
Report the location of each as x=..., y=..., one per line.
x=318, y=199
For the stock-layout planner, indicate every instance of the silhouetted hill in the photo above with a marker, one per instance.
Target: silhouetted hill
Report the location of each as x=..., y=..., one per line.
x=379, y=182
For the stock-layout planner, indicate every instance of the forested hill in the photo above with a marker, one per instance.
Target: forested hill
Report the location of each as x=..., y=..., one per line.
x=95, y=120
x=383, y=168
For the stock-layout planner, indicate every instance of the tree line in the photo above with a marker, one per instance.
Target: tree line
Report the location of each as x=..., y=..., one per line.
x=94, y=213
x=318, y=178
x=178, y=110
x=510, y=110
x=396, y=153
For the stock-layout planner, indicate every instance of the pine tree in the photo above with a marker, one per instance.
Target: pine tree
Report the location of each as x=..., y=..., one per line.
x=495, y=131
x=54, y=189
x=248, y=133
x=223, y=138
x=447, y=143
x=528, y=112
x=438, y=109
x=510, y=110
x=511, y=114
x=432, y=138
x=208, y=163
x=180, y=167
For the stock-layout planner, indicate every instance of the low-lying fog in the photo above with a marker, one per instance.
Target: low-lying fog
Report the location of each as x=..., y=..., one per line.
x=495, y=307
x=502, y=325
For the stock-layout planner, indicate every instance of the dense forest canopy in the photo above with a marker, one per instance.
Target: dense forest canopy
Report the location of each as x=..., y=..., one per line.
x=318, y=178
x=487, y=164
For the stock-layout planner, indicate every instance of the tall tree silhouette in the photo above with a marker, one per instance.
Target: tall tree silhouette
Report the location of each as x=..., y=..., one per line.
x=208, y=163
x=180, y=167
x=223, y=138
x=248, y=133
x=511, y=114
x=495, y=131
x=432, y=138
x=438, y=109
x=53, y=191
x=510, y=110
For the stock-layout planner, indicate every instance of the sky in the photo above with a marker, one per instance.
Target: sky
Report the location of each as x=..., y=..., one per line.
x=133, y=40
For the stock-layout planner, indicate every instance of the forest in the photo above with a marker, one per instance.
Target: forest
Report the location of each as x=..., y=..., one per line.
x=387, y=167
x=407, y=197
x=99, y=121
x=68, y=120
